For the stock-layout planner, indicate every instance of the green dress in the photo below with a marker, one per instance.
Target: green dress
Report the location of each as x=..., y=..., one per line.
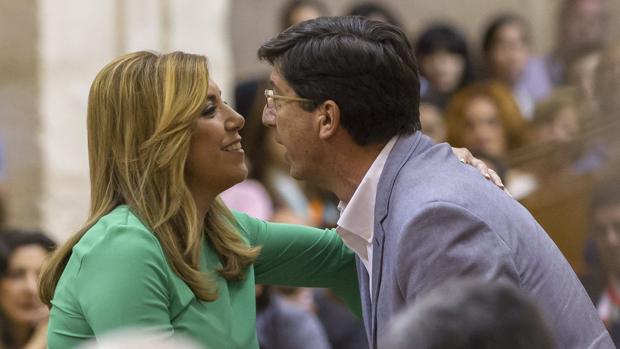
x=117, y=277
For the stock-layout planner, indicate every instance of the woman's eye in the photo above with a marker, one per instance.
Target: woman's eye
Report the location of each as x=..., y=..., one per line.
x=209, y=110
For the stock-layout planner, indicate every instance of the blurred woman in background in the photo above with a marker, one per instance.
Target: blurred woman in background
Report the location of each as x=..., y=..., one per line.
x=486, y=119
x=507, y=49
x=23, y=318
x=445, y=63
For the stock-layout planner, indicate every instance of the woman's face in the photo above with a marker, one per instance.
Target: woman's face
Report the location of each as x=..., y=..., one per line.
x=483, y=130
x=563, y=128
x=216, y=159
x=19, y=298
x=443, y=70
x=509, y=53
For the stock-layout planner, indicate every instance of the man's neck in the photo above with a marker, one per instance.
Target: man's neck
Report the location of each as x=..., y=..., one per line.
x=352, y=166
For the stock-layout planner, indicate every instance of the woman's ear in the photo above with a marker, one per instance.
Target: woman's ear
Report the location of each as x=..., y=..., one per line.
x=329, y=119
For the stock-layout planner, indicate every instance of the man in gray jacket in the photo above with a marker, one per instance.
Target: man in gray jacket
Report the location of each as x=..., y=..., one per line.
x=344, y=102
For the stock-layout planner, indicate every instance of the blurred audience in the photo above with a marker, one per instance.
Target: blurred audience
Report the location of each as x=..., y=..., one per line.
x=23, y=317
x=445, y=64
x=433, y=123
x=376, y=11
x=251, y=197
x=3, y=208
x=343, y=329
x=556, y=118
x=580, y=73
x=507, y=45
x=281, y=325
x=300, y=10
x=485, y=119
x=607, y=85
x=605, y=231
x=580, y=24
x=471, y=314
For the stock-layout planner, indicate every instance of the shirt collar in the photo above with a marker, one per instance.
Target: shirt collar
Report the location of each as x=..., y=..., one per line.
x=357, y=216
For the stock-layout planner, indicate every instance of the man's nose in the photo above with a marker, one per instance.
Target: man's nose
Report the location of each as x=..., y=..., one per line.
x=269, y=117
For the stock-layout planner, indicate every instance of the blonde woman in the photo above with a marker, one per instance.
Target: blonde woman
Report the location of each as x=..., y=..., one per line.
x=160, y=251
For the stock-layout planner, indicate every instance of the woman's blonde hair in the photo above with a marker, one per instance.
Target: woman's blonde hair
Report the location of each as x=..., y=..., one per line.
x=142, y=110
x=515, y=127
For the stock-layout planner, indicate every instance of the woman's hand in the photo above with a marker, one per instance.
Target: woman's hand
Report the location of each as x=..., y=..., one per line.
x=465, y=156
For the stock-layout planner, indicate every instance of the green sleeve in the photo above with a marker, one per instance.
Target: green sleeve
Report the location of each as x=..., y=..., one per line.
x=122, y=282
x=296, y=255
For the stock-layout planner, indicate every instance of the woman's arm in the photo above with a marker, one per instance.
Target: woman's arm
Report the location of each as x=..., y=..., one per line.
x=296, y=255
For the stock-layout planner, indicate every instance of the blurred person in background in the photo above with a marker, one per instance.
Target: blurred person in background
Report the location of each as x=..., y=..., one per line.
x=445, y=63
x=580, y=74
x=605, y=231
x=556, y=118
x=507, y=45
x=292, y=201
x=471, y=314
x=433, y=123
x=281, y=325
x=600, y=144
x=485, y=118
x=297, y=11
x=580, y=24
x=375, y=11
x=343, y=329
x=23, y=317
x=160, y=250
x=3, y=193
x=607, y=86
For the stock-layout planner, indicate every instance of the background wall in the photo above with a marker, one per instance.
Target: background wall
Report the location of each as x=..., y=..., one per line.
x=51, y=51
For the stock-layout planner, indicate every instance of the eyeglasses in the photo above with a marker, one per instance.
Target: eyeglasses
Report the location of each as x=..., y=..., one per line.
x=271, y=99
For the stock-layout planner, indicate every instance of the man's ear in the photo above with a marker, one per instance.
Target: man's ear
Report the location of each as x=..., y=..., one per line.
x=329, y=119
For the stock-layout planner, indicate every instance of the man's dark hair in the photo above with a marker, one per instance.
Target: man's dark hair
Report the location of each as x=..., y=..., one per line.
x=471, y=314
x=366, y=67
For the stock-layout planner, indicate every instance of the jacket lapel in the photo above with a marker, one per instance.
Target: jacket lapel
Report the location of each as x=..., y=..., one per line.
x=401, y=152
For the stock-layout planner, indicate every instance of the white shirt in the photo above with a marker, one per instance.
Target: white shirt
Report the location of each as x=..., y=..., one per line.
x=357, y=217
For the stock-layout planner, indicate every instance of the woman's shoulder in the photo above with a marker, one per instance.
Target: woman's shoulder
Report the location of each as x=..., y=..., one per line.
x=116, y=234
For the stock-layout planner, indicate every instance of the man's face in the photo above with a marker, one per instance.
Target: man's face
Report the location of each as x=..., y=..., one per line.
x=606, y=232
x=294, y=128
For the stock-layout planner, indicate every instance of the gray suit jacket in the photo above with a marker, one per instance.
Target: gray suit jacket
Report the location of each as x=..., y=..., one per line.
x=436, y=219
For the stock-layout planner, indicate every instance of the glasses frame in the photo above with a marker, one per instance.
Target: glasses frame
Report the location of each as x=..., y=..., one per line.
x=270, y=95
